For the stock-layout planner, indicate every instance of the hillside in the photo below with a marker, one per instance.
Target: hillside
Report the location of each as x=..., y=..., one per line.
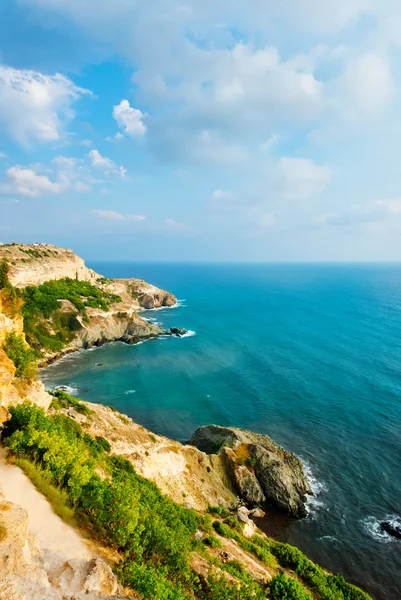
x=67, y=306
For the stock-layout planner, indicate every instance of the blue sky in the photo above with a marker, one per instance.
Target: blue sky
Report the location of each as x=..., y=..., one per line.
x=224, y=130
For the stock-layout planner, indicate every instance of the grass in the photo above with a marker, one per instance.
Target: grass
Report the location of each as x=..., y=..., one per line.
x=43, y=483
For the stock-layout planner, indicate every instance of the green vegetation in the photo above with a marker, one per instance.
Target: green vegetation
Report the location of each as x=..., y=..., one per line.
x=218, y=511
x=46, y=325
x=64, y=400
x=328, y=587
x=8, y=293
x=154, y=537
x=4, y=270
x=42, y=480
x=283, y=587
x=212, y=541
x=21, y=355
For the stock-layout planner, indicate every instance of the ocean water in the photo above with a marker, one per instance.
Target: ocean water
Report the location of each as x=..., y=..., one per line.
x=310, y=355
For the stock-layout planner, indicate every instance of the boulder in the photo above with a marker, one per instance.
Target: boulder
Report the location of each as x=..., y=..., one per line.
x=177, y=331
x=392, y=528
x=262, y=472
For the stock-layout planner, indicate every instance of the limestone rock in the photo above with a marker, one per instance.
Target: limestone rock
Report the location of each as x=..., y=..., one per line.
x=262, y=472
x=245, y=480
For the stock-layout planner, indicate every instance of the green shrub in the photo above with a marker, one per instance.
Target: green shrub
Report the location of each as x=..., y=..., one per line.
x=61, y=399
x=234, y=523
x=212, y=541
x=4, y=270
x=23, y=357
x=287, y=588
x=219, y=511
x=219, y=588
x=103, y=443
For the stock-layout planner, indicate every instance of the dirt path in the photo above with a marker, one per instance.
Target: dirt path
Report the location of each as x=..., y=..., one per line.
x=57, y=541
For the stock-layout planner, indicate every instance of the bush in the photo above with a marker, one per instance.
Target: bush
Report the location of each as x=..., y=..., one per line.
x=4, y=270
x=61, y=399
x=287, y=588
x=219, y=511
x=234, y=523
x=103, y=443
x=23, y=357
x=212, y=541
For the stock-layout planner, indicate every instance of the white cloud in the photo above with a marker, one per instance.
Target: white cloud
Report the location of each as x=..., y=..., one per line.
x=111, y=215
x=377, y=212
x=108, y=166
x=301, y=177
x=369, y=84
x=129, y=120
x=2, y=155
x=35, y=107
x=172, y=225
x=27, y=182
x=221, y=195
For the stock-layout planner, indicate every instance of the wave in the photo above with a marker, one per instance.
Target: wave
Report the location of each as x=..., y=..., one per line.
x=189, y=333
x=371, y=525
x=73, y=391
x=130, y=392
x=314, y=503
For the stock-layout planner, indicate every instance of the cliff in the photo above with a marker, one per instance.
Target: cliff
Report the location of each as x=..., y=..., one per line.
x=33, y=265
x=67, y=306
x=12, y=390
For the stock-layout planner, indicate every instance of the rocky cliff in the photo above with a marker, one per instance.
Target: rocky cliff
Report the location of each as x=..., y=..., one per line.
x=13, y=391
x=261, y=472
x=105, y=310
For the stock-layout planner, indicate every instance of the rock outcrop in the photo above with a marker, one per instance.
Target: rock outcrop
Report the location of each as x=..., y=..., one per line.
x=33, y=265
x=12, y=391
x=262, y=472
x=23, y=572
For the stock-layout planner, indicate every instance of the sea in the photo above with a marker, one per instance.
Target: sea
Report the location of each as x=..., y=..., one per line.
x=309, y=354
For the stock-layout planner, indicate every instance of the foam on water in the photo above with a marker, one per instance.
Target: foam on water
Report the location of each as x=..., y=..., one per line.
x=371, y=525
x=130, y=392
x=314, y=503
x=189, y=333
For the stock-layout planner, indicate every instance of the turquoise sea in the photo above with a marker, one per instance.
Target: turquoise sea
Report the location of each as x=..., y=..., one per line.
x=310, y=355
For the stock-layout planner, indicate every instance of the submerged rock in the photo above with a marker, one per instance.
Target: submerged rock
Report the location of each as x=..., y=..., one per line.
x=392, y=528
x=262, y=472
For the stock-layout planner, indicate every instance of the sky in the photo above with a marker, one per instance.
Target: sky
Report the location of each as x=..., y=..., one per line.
x=221, y=130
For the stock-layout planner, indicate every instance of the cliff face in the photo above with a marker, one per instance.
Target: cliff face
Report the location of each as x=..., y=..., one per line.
x=33, y=265
x=11, y=390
